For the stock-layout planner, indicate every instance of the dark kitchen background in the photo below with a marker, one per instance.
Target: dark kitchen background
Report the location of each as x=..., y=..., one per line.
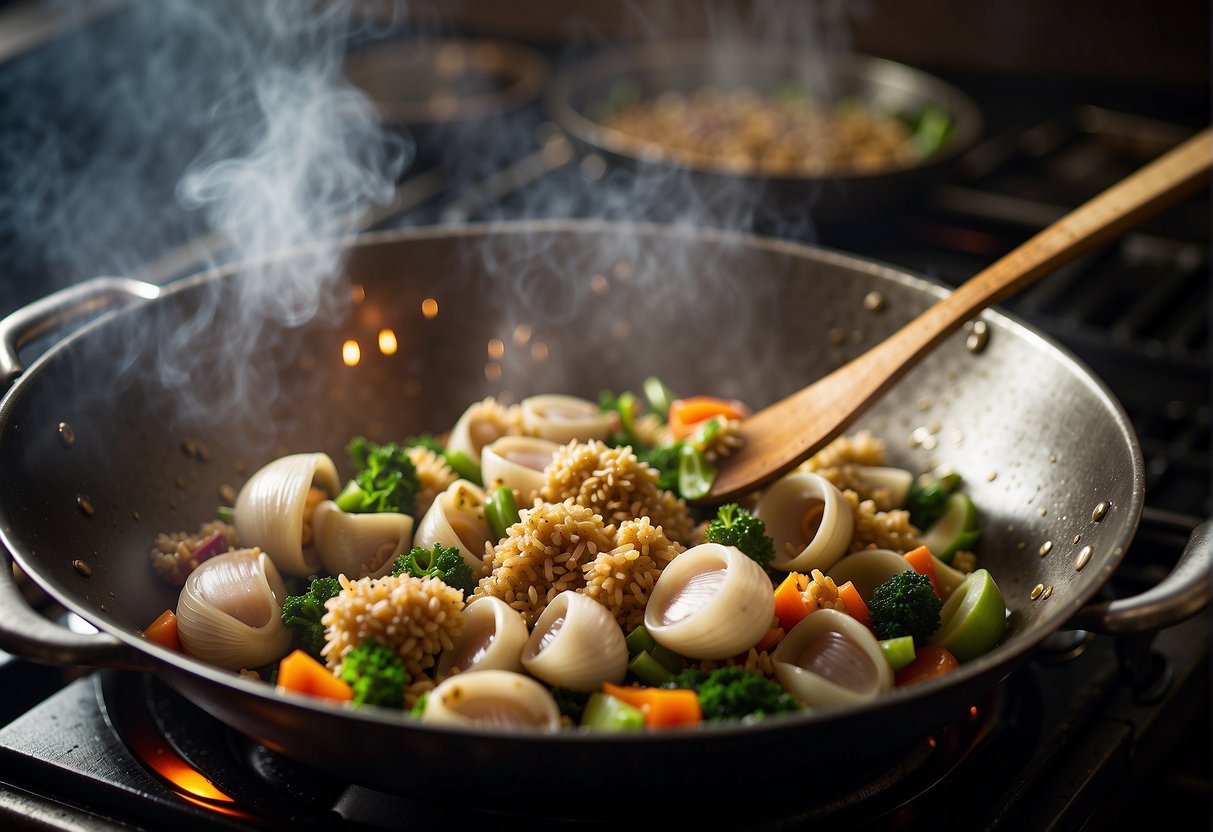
x=105, y=106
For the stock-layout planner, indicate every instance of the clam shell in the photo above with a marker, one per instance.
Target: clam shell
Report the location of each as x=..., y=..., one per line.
x=576, y=644
x=460, y=508
x=492, y=638
x=782, y=507
x=868, y=569
x=500, y=465
x=734, y=608
x=229, y=612
x=562, y=419
x=271, y=508
x=492, y=699
x=359, y=545
x=813, y=689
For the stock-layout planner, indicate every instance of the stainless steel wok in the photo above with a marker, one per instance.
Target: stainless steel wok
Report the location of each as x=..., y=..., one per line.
x=1038, y=440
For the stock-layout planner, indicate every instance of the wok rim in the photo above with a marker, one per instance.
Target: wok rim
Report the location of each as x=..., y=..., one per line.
x=998, y=662
x=567, y=82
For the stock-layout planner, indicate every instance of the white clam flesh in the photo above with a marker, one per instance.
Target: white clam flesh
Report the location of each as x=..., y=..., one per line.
x=498, y=699
x=517, y=462
x=711, y=602
x=829, y=658
x=456, y=520
x=493, y=637
x=273, y=509
x=562, y=419
x=359, y=545
x=576, y=644
x=229, y=612
x=868, y=569
x=808, y=519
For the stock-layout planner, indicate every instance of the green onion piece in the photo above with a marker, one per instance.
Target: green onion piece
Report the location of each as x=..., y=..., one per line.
x=226, y=513
x=648, y=670
x=932, y=129
x=606, y=713
x=667, y=658
x=352, y=499
x=659, y=395
x=464, y=466
x=898, y=651
x=501, y=511
x=695, y=473
x=627, y=412
x=639, y=640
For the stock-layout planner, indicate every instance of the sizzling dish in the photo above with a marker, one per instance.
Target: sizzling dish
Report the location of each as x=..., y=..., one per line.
x=604, y=602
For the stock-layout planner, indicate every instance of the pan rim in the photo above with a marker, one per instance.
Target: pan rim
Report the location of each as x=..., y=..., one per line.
x=1004, y=656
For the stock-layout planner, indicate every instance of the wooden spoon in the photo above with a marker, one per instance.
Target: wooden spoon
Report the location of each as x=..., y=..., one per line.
x=783, y=435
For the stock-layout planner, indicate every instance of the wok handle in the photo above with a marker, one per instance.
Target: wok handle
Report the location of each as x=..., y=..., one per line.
x=25, y=633
x=1180, y=595
x=60, y=309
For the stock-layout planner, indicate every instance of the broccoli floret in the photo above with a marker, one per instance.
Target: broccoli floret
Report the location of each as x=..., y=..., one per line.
x=376, y=674
x=927, y=503
x=419, y=706
x=442, y=562
x=734, y=526
x=905, y=605
x=386, y=479
x=624, y=406
x=734, y=693
x=303, y=612
x=571, y=702
x=664, y=459
x=424, y=440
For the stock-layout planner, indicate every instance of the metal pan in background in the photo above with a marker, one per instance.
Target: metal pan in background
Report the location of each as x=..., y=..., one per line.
x=579, y=90
x=1039, y=441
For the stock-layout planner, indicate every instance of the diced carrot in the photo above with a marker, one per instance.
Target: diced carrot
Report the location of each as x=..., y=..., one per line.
x=660, y=707
x=685, y=414
x=930, y=660
x=921, y=561
x=790, y=608
x=300, y=673
x=163, y=631
x=856, y=607
x=772, y=637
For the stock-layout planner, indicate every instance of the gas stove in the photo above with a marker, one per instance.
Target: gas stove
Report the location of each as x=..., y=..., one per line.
x=1065, y=742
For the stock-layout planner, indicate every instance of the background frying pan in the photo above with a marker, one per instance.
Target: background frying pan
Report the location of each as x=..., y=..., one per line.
x=1039, y=442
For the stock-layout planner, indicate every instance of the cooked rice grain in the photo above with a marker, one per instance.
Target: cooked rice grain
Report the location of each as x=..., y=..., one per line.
x=433, y=474
x=173, y=553
x=880, y=529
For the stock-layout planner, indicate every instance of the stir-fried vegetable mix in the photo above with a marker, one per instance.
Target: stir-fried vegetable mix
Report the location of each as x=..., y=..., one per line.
x=449, y=578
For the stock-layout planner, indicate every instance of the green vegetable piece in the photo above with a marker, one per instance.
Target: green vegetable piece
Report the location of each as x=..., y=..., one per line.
x=464, y=466
x=974, y=617
x=443, y=562
x=624, y=405
x=648, y=670
x=667, y=658
x=933, y=129
x=734, y=693
x=695, y=473
x=302, y=613
x=386, y=474
x=501, y=511
x=734, y=526
x=905, y=605
x=927, y=503
x=639, y=640
x=570, y=702
x=352, y=499
x=227, y=514
x=659, y=396
x=899, y=651
x=375, y=673
x=955, y=530
x=419, y=707
x=424, y=440
x=606, y=713
x=664, y=459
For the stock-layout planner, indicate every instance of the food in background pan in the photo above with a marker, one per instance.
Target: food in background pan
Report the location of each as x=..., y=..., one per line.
x=786, y=132
x=605, y=601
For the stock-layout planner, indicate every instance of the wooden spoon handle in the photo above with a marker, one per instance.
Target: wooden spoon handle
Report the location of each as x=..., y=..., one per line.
x=784, y=434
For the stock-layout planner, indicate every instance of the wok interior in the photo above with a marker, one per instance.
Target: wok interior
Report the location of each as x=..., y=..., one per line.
x=1037, y=442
